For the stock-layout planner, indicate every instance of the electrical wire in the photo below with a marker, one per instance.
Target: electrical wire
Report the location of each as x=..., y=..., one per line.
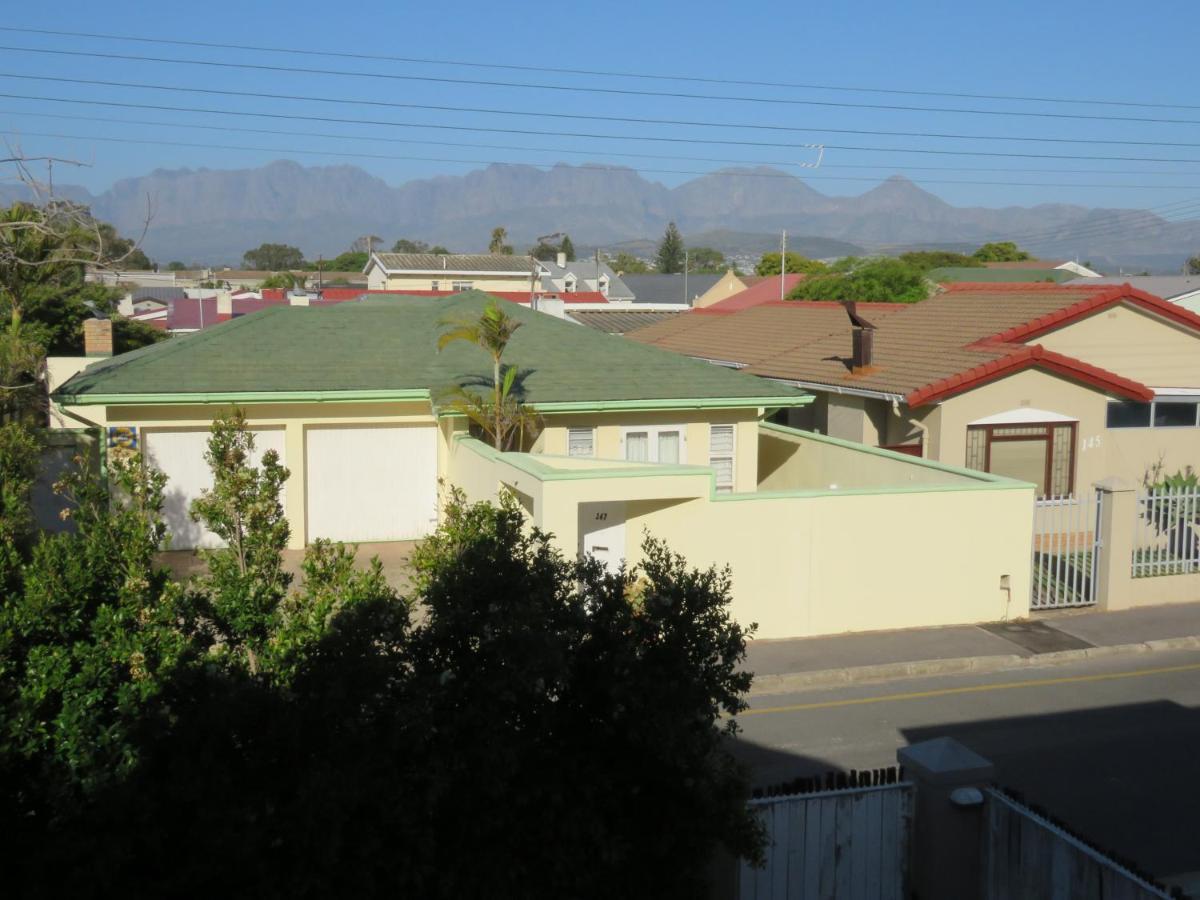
x=581, y=89
x=159, y=123
x=494, y=162
x=343, y=101
x=349, y=54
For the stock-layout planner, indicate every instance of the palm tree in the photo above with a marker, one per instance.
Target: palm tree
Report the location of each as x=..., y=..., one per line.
x=491, y=331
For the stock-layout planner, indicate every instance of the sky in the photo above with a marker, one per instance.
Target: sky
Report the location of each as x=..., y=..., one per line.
x=839, y=60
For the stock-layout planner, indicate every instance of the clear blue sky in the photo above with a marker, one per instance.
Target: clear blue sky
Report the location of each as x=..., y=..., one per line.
x=1092, y=49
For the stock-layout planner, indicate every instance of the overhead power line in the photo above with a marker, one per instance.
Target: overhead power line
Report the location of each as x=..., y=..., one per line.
x=695, y=79
x=585, y=89
x=392, y=104
x=160, y=123
x=494, y=162
x=812, y=129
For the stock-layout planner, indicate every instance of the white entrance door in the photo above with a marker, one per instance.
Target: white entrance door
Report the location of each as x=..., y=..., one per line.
x=180, y=456
x=371, y=484
x=602, y=533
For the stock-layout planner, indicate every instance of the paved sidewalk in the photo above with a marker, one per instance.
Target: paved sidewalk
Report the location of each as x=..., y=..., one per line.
x=1047, y=638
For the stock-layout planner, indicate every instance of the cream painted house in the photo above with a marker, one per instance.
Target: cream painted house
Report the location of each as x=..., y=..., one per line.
x=633, y=440
x=454, y=272
x=1061, y=386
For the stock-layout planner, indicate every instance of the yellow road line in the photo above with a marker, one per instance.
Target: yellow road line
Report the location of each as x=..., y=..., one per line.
x=977, y=689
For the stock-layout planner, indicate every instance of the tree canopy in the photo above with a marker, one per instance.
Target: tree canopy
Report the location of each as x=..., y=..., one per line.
x=350, y=261
x=769, y=264
x=1000, y=251
x=499, y=242
x=876, y=279
x=628, y=264
x=671, y=251
x=1192, y=266
x=544, y=729
x=706, y=260
x=936, y=259
x=273, y=257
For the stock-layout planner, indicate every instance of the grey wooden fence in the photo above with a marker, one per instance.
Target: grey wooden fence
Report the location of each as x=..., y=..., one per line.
x=849, y=844
x=1026, y=855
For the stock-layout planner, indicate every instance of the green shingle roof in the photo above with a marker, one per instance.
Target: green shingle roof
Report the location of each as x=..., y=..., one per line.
x=390, y=345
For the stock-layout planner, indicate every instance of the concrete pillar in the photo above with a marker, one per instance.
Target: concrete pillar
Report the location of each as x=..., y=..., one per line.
x=1114, y=564
x=947, y=858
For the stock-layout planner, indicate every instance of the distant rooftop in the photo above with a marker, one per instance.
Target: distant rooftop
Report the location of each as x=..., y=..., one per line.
x=456, y=262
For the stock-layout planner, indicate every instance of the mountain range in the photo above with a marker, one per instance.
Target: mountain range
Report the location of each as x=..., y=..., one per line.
x=213, y=216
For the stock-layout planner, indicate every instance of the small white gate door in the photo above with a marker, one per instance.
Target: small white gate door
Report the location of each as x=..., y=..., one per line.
x=602, y=533
x=180, y=456
x=371, y=484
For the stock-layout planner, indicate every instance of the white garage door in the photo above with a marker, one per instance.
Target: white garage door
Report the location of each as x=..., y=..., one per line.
x=372, y=484
x=180, y=456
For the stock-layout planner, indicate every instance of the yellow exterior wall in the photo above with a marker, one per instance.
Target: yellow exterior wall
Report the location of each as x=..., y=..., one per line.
x=1100, y=452
x=1134, y=344
x=58, y=370
x=839, y=563
x=729, y=285
x=609, y=427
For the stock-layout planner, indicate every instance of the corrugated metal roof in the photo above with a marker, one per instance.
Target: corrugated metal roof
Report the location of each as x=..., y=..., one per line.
x=456, y=262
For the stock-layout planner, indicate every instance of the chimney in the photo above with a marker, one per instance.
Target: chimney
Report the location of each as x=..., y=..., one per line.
x=863, y=340
x=224, y=303
x=562, y=260
x=97, y=337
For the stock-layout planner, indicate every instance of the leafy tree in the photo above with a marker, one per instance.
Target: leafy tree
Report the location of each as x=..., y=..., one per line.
x=175, y=266
x=502, y=417
x=544, y=252
x=936, y=259
x=567, y=248
x=440, y=250
x=768, y=264
x=246, y=581
x=87, y=646
x=364, y=245
x=352, y=261
x=706, y=260
x=628, y=264
x=1192, y=265
x=498, y=242
x=1000, y=251
x=671, y=251
x=403, y=245
x=273, y=258
x=880, y=279
x=19, y=455
x=284, y=280
x=603, y=715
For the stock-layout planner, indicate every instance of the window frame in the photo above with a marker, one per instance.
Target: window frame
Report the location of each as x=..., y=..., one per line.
x=460, y=286
x=1047, y=436
x=731, y=456
x=1153, y=413
x=591, y=431
x=652, y=433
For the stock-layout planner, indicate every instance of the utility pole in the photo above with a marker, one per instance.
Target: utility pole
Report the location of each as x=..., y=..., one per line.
x=320, y=273
x=686, y=298
x=782, y=261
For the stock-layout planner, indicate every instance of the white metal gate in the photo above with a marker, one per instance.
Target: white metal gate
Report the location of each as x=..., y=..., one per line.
x=1066, y=541
x=851, y=844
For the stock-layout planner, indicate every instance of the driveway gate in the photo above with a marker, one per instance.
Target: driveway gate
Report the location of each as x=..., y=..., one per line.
x=1066, y=538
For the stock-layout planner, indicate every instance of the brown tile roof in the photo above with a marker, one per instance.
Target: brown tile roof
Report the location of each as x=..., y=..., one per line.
x=620, y=321
x=966, y=334
x=757, y=333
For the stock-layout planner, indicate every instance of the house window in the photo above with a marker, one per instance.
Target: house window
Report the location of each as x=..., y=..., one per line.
x=1127, y=414
x=1041, y=453
x=1159, y=414
x=581, y=442
x=458, y=286
x=435, y=286
x=658, y=444
x=720, y=456
x=569, y=284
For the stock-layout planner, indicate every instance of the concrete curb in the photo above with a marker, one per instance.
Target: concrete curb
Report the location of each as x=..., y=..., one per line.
x=788, y=682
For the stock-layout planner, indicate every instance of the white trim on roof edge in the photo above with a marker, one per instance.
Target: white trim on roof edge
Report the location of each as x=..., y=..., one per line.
x=1022, y=415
